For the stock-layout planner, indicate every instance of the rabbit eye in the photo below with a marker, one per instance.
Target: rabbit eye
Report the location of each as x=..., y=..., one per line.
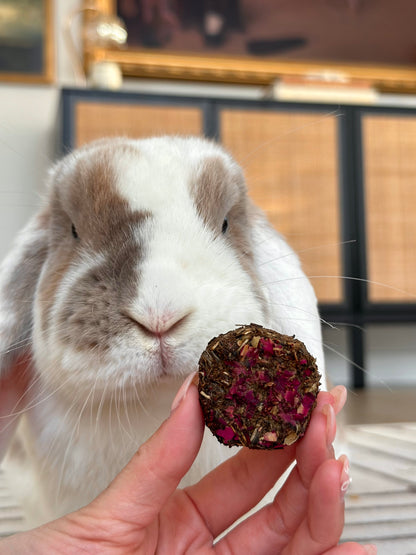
x=224, y=225
x=74, y=232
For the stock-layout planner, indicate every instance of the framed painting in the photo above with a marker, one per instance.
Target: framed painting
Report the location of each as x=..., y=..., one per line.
x=355, y=42
x=26, y=41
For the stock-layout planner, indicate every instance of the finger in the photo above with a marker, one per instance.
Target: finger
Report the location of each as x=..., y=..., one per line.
x=240, y=483
x=352, y=548
x=268, y=530
x=314, y=449
x=311, y=451
x=316, y=445
x=237, y=485
x=339, y=393
x=322, y=527
x=144, y=485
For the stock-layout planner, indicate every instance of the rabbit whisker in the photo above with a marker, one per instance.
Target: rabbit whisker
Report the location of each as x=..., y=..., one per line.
x=322, y=320
x=119, y=407
x=39, y=402
x=14, y=414
x=98, y=414
x=110, y=421
x=93, y=398
x=126, y=408
x=139, y=400
x=58, y=434
x=18, y=345
x=351, y=278
x=347, y=359
x=75, y=430
x=282, y=136
x=333, y=325
x=316, y=247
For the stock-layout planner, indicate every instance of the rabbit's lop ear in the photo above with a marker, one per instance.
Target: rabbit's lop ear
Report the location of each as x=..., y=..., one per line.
x=19, y=274
x=291, y=299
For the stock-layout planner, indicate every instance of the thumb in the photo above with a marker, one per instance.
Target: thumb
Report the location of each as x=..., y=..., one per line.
x=13, y=399
x=142, y=488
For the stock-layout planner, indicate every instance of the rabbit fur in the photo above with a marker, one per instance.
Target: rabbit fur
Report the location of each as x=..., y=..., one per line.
x=141, y=252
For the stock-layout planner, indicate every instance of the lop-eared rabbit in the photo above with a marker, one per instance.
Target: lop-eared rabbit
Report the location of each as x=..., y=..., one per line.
x=142, y=251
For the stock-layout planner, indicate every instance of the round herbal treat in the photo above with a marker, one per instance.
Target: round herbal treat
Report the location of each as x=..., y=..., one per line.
x=257, y=387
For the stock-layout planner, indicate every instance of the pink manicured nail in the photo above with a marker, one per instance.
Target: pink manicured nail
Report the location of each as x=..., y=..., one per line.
x=370, y=549
x=331, y=426
x=180, y=396
x=345, y=479
x=340, y=395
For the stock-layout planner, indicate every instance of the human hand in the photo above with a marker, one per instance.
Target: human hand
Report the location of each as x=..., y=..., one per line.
x=142, y=511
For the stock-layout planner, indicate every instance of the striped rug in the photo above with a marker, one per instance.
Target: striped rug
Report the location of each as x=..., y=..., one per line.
x=380, y=504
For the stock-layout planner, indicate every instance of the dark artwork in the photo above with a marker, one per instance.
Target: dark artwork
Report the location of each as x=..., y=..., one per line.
x=336, y=30
x=22, y=36
x=201, y=24
x=152, y=24
x=21, y=58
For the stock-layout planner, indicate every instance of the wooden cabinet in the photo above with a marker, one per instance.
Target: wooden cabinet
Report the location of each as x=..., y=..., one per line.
x=291, y=166
x=389, y=147
x=339, y=182
x=94, y=120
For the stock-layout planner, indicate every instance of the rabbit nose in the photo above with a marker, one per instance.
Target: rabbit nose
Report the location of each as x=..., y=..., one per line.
x=153, y=323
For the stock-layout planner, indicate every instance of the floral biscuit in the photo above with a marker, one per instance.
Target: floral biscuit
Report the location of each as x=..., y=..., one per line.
x=257, y=387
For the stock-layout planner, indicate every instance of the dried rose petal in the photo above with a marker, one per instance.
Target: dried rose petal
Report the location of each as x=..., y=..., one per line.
x=257, y=387
x=227, y=433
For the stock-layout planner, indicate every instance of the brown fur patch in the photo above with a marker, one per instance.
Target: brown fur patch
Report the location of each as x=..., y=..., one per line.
x=85, y=196
x=220, y=192
x=215, y=190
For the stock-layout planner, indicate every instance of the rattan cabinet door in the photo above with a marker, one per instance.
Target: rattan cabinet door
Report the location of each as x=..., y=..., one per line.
x=389, y=154
x=291, y=164
x=96, y=119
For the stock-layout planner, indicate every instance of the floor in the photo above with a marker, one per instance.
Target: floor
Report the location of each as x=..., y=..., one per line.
x=381, y=502
x=380, y=436
x=381, y=405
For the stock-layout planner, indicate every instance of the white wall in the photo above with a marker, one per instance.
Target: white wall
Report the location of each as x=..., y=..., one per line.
x=28, y=116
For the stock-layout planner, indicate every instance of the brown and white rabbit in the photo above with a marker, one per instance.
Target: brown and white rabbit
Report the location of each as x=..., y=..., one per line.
x=142, y=251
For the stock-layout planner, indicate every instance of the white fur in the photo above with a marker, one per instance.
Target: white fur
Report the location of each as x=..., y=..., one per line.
x=8, y=267
x=87, y=413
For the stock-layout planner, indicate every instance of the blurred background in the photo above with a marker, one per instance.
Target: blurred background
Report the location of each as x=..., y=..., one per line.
x=352, y=61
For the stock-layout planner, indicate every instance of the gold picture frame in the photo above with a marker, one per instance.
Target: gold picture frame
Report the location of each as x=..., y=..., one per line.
x=163, y=64
x=26, y=41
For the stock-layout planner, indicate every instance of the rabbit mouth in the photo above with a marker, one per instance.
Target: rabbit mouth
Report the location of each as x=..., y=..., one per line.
x=165, y=354
x=172, y=360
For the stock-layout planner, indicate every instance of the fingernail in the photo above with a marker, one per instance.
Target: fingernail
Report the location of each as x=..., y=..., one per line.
x=331, y=426
x=370, y=549
x=345, y=479
x=180, y=396
x=340, y=395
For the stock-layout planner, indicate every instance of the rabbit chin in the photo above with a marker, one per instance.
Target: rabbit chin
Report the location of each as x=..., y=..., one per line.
x=122, y=371
x=125, y=369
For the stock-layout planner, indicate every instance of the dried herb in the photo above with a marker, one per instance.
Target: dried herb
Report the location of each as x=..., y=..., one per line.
x=257, y=387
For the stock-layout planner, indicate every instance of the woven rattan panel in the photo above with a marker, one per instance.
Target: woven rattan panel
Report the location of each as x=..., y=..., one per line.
x=94, y=120
x=389, y=144
x=291, y=165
